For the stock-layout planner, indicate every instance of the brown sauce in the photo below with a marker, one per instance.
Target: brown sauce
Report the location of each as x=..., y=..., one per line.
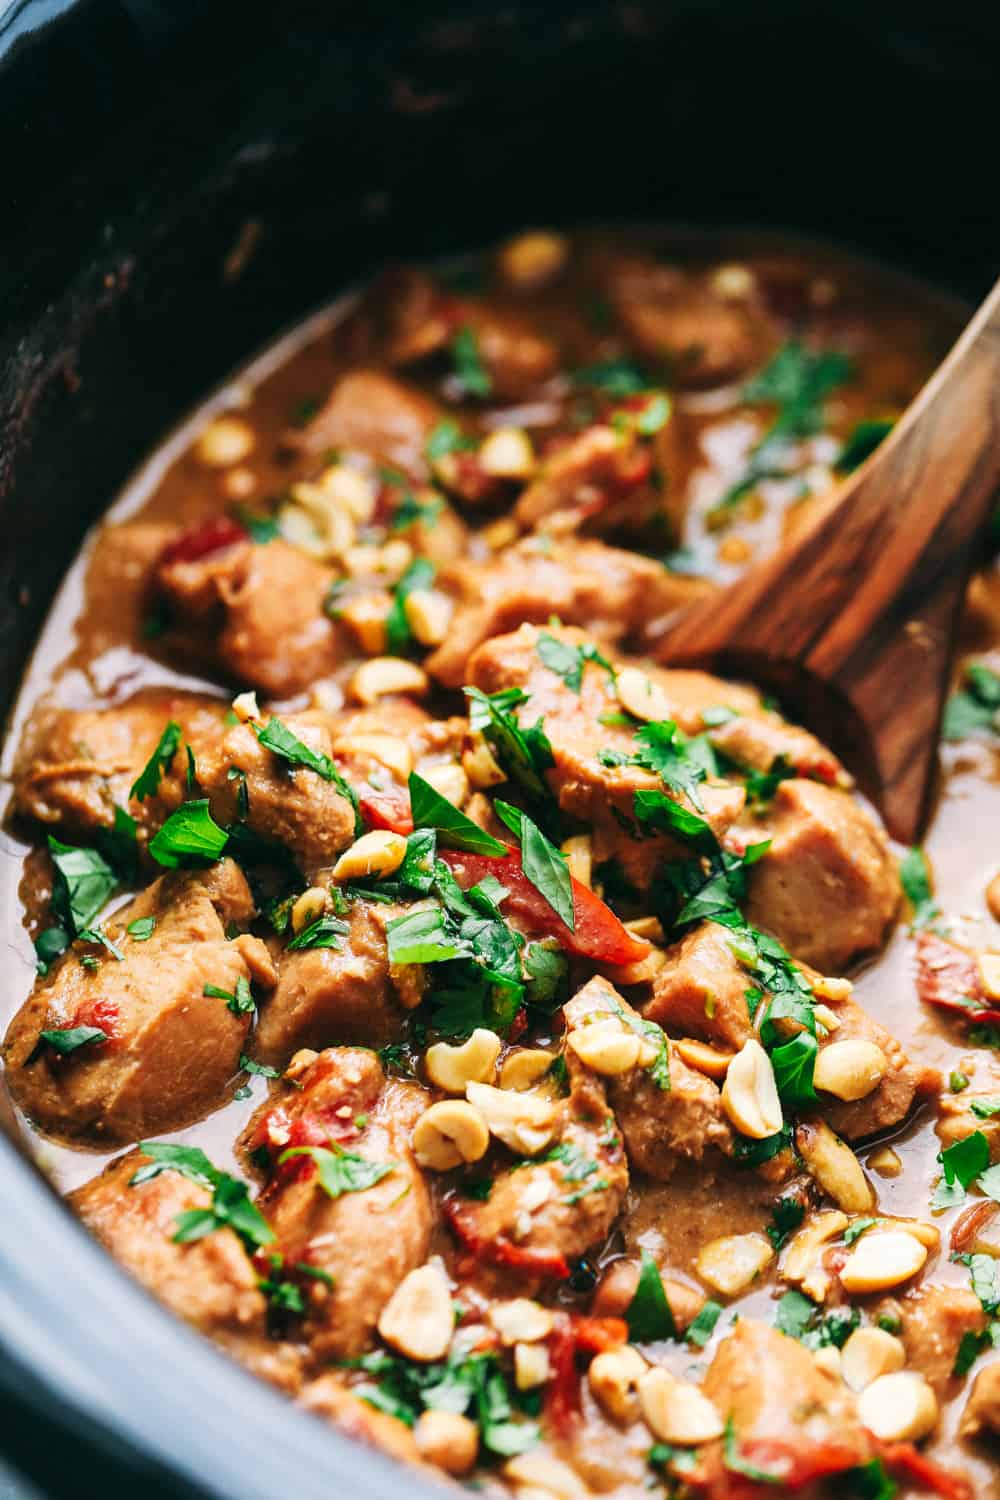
x=93, y=653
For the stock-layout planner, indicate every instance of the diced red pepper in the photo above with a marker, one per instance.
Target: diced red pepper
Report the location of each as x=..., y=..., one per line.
x=598, y=934
x=102, y=1013
x=500, y=1251
x=598, y=1335
x=906, y=1462
x=199, y=541
x=386, y=807
x=948, y=977
x=562, y=1393
x=798, y=1466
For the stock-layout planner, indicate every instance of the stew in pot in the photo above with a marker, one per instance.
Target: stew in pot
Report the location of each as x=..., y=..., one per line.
x=536, y=1061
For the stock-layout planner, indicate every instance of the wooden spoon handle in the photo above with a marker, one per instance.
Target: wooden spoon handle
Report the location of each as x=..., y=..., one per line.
x=866, y=601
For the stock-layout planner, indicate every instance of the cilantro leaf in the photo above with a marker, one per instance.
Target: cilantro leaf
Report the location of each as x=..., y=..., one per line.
x=544, y=865
x=469, y=367
x=231, y=1206
x=915, y=878
x=279, y=739
x=793, y=1064
x=975, y=706
x=82, y=883
x=69, y=1039
x=431, y=810
x=568, y=661
x=525, y=754
x=616, y=376
x=786, y=1216
x=984, y=1271
x=324, y=932
x=190, y=833
x=419, y=575
x=861, y=443
x=447, y=437
x=147, y=783
x=702, y=1326
x=141, y=929
x=648, y=1315
x=340, y=1171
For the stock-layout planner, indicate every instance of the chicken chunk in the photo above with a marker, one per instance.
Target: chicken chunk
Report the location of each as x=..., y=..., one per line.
x=209, y=1282
x=585, y=785
x=662, y=1120
x=610, y=589
x=702, y=989
x=75, y=766
x=827, y=888
x=324, y=996
x=674, y=319
x=169, y=1049
x=541, y=1215
x=894, y=1096
x=757, y=742
x=370, y=412
x=788, y=1416
x=264, y=607
x=290, y=805
x=595, y=475
x=935, y=1320
x=378, y=1227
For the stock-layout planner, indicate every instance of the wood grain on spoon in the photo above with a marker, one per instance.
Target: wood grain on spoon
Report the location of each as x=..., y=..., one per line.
x=855, y=621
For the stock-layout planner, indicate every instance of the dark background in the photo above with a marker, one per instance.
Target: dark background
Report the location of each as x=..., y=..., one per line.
x=137, y=140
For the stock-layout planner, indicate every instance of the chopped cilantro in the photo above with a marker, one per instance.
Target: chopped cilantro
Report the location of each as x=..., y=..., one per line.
x=419, y=575
x=324, y=932
x=431, y=810
x=469, y=367
x=915, y=878
x=975, y=706
x=786, y=1216
x=190, y=833
x=702, y=1326
x=862, y=442
x=568, y=661
x=147, y=783
x=69, y=1039
x=447, y=437
x=340, y=1171
x=280, y=740
x=648, y=1315
x=616, y=376
x=544, y=865
x=231, y=1206
x=141, y=929
x=82, y=883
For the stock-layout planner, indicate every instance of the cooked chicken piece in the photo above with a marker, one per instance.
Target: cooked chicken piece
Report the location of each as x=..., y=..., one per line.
x=828, y=887
x=367, y=1238
x=577, y=727
x=170, y=1049
x=675, y=320
x=263, y=607
x=541, y=1215
x=209, y=1282
x=661, y=1122
x=333, y=994
x=609, y=589
x=935, y=1320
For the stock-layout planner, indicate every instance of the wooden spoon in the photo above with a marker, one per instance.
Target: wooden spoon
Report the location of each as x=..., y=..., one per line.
x=854, y=623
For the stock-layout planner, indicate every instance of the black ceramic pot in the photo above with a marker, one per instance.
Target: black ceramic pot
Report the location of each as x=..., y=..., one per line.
x=177, y=181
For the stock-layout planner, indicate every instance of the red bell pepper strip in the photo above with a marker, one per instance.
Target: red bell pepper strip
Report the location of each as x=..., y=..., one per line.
x=562, y=1393
x=906, y=1462
x=100, y=1013
x=203, y=539
x=500, y=1251
x=598, y=934
x=948, y=977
